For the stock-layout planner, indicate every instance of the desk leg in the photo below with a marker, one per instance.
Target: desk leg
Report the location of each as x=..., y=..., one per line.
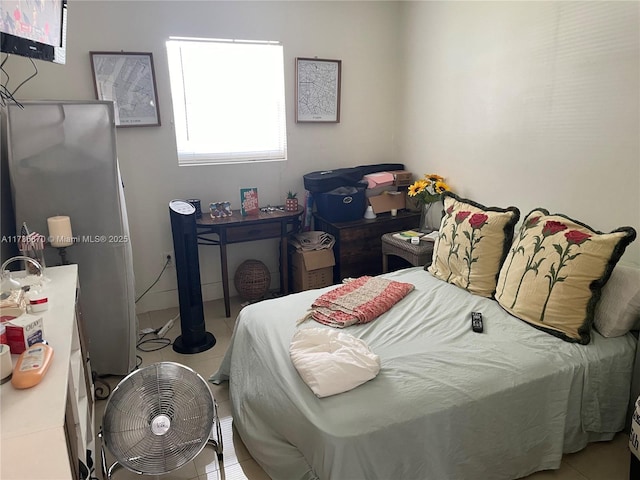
x=284, y=266
x=225, y=278
x=385, y=263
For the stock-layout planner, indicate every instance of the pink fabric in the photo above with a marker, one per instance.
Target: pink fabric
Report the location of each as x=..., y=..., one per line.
x=359, y=301
x=380, y=179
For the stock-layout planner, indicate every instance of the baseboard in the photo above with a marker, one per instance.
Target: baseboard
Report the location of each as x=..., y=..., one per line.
x=169, y=298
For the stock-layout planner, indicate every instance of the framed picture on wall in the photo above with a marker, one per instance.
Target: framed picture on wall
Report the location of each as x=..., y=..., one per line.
x=318, y=90
x=129, y=80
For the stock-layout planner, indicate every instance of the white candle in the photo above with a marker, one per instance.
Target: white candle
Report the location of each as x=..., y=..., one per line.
x=60, y=231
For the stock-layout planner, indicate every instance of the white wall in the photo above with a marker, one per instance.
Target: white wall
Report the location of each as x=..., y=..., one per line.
x=532, y=104
x=361, y=34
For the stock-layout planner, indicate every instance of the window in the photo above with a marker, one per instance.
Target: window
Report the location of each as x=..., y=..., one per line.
x=228, y=100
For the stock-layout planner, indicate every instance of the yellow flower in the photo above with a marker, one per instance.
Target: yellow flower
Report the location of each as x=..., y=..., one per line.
x=441, y=187
x=417, y=187
x=428, y=189
x=433, y=177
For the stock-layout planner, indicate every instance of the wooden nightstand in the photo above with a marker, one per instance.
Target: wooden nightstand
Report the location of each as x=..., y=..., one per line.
x=358, y=247
x=416, y=255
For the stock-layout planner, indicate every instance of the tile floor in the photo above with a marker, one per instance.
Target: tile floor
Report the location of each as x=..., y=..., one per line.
x=600, y=461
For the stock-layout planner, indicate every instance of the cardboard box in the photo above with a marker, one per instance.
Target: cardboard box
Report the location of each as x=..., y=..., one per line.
x=403, y=178
x=387, y=201
x=311, y=269
x=24, y=331
x=374, y=192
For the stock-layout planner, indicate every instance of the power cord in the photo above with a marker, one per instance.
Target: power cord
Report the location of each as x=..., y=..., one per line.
x=5, y=94
x=162, y=342
x=26, y=79
x=101, y=389
x=160, y=337
x=156, y=280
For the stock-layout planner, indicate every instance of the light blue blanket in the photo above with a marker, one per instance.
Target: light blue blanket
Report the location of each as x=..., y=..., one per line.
x=448, y=403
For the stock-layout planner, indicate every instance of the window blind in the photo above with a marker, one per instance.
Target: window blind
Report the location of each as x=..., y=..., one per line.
x=228, y=100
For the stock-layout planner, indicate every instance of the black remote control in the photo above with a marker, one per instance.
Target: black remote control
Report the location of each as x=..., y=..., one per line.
x=476, y=322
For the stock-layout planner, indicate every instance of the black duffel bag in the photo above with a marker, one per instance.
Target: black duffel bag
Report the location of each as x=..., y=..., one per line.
x=323, y=181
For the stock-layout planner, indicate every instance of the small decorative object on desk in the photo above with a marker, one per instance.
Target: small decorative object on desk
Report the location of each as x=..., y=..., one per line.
x=31, y=280
x=369, y=214
x=291, y=202
x=31, y=244
x=196, y=204
x=60, y=235
x=249, y=201
x=427, y=191
x=220, y=209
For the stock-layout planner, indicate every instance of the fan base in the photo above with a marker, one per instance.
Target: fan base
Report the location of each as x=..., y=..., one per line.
x=181, y=347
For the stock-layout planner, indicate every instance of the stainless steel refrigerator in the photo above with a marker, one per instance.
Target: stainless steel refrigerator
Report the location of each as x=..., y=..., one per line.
x=63, y=160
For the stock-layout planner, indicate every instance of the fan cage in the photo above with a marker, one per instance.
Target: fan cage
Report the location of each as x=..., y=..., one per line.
x=161, y=390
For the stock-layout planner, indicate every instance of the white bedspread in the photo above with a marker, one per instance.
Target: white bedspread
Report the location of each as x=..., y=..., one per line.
x=447, y=404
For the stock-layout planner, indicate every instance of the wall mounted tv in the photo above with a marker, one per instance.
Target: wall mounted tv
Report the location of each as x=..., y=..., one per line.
x=34, y=28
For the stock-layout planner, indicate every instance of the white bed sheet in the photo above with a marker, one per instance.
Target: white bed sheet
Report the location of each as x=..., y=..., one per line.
x=447, y=404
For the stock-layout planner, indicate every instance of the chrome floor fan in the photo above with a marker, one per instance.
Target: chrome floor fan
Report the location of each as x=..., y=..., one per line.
x=159, y=418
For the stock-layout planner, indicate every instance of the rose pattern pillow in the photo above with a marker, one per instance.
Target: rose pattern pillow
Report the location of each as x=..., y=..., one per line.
x=472, y=243
x=555, y=271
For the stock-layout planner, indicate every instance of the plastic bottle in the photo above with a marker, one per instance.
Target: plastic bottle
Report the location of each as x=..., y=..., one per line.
x=31, y=366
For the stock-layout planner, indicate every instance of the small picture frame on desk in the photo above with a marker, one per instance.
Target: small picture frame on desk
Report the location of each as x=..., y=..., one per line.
x=249, y=204
x=220, y=209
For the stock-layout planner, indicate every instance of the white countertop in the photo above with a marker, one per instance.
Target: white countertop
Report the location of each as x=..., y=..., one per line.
x=31, y=420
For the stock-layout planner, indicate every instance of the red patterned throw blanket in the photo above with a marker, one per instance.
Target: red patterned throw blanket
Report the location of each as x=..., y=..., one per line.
x=361, y=300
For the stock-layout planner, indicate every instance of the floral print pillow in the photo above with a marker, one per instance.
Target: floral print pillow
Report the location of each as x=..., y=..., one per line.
x=555, y=271
x=472, y=243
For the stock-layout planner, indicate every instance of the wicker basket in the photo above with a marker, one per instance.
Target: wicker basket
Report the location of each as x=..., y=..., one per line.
x=252, y=280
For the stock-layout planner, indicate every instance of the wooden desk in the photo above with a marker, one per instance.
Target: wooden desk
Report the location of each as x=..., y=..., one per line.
x=237, y=229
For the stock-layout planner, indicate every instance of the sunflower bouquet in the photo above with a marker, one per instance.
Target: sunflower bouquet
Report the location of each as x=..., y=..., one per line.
x=428, y=189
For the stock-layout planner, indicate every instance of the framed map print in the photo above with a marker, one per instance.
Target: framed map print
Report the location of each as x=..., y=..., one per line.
x=318, y=90
x=128, y=79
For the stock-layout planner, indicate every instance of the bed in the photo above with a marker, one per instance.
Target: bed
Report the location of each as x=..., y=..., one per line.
x=449, y=403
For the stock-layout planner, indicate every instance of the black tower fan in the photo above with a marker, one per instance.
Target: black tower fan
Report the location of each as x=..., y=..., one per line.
x=194, y=338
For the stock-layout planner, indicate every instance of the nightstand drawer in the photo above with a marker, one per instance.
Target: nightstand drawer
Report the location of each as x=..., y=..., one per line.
x=245, y=233
x=358, y=247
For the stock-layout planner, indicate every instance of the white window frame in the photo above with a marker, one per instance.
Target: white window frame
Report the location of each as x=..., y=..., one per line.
x=228, y=100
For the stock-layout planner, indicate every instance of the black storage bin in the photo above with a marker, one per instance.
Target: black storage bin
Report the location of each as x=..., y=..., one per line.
x=326, y=180
x=343, y=204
